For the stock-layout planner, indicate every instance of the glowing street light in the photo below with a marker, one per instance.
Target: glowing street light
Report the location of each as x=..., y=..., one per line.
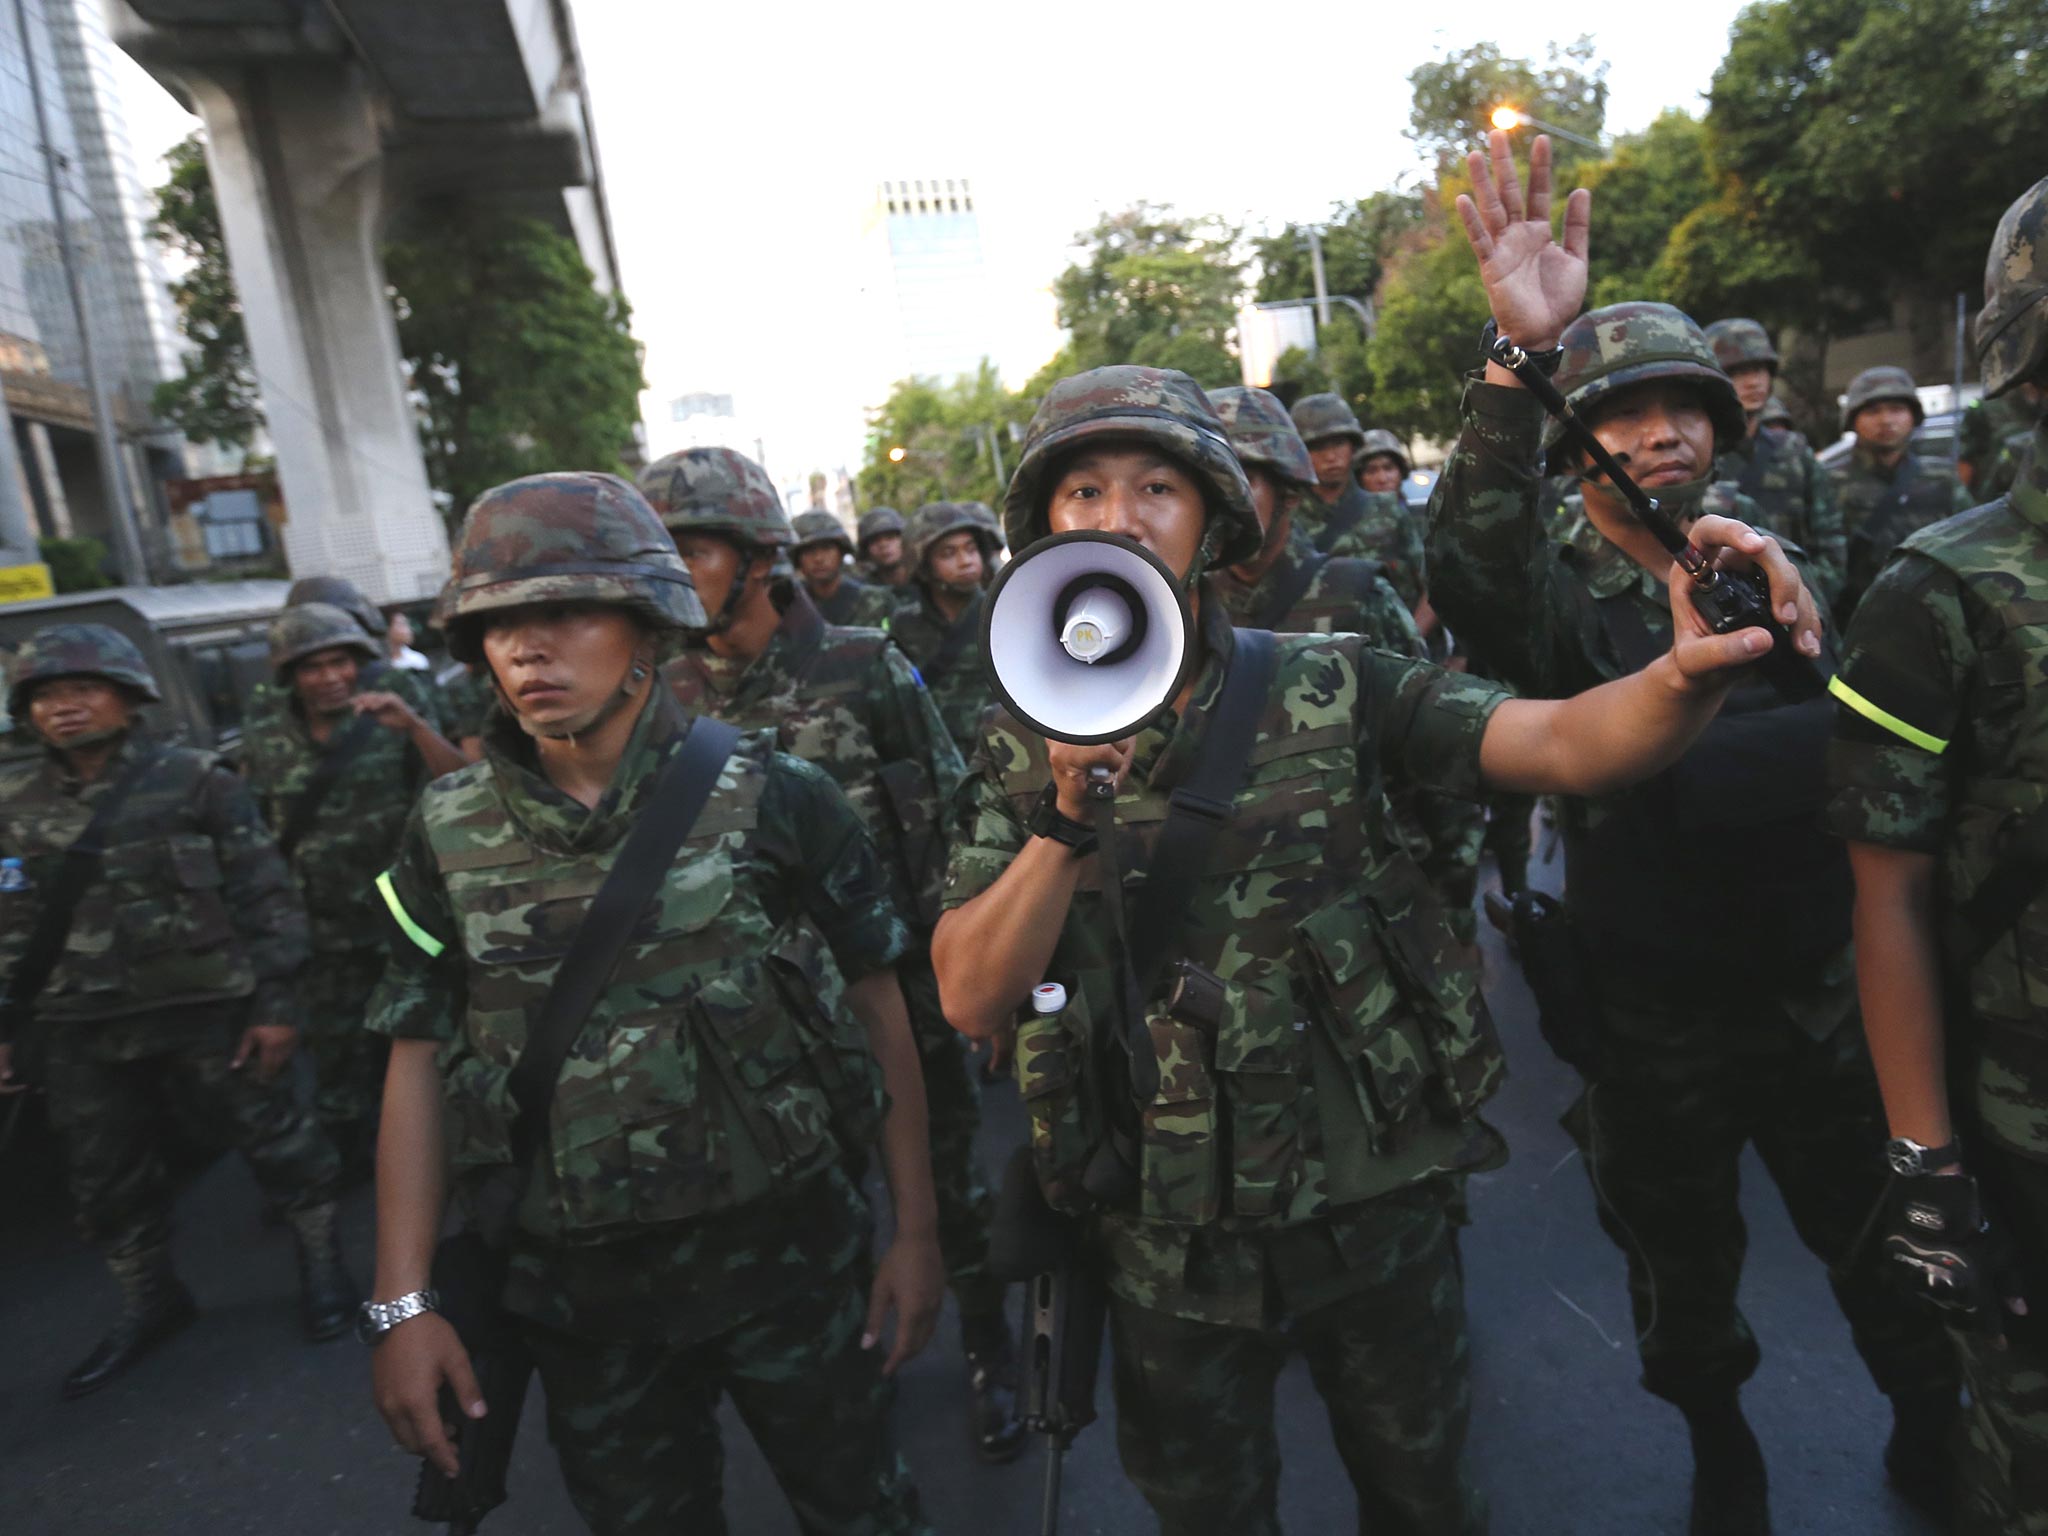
x=898, y=454
x=1509, y=118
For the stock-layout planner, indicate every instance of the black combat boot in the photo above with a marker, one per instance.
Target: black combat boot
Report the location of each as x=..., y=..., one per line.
x=328, y=1298
x=1730, y=1492
x=1920, y=1457
x=154, y=1305
x=992, y=1387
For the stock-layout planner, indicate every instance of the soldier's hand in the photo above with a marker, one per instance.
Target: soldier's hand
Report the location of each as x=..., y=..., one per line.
x=387, y=709
x=407, y=1369
x=1942, y=1246
x=1535, y=286
x=1001, y=1045
x=911, y=1282
x=9, y=1083
x=1070, y=766
x=270, y=1045
x=1731, y=545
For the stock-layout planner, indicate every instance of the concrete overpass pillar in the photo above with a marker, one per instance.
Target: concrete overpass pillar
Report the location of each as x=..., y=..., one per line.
x=298, y=169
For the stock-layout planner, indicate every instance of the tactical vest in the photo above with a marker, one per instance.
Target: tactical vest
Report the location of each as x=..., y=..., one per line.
x=948, y=658
x=1879, y=515
x=1353, y=1047
x=720, y=1062
x=154, y=930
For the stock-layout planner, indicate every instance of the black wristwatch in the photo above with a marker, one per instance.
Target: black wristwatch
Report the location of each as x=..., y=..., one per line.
x=1549, y=362
x=1910, y=1160
x=1047, y=820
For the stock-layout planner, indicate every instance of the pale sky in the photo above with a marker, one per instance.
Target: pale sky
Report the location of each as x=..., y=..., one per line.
x=740, y=145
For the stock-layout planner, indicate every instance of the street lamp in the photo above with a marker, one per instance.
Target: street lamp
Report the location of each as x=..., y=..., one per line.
x=1508, y=119
x=898, y=454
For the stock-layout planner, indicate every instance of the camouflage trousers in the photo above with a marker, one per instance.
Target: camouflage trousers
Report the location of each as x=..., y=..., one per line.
x=635, y=1423
x=118, y=1085
x=953, y=1109
x=1662, y=1132
x=2005, y=1463
x=1194, y=1400
x=348, y=1060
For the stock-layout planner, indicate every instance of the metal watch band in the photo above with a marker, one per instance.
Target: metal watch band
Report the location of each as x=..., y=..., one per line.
x=378, y=1318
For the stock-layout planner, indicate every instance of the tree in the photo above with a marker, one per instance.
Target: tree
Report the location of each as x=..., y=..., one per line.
x=1454, y=97
x=215, y=400
x=944, y=432
x=1358, y=237
x=1648, y=184
x=1432, y=307
x=519, y=365
x=1156, y=288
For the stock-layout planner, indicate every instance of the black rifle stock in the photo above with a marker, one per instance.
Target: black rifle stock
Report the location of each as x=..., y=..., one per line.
x=469, y=1275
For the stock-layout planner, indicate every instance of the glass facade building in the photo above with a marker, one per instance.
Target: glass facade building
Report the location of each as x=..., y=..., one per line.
x=940, y=277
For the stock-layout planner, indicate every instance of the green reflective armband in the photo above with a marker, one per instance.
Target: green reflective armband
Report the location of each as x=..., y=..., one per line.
x=1885, y=718
x=403, y=918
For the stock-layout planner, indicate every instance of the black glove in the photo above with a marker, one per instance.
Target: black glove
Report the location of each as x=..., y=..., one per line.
x=1940, y=1245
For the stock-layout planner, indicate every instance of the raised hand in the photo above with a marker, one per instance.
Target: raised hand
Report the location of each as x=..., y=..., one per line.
x=1535, y=286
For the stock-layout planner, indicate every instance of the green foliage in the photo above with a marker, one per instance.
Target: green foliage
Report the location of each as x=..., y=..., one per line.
x=1431, y=309
x=1156, y=288
x=215, y=399
x=519, y=365
x=76, y=565
x=944, y=431
x=1358, y=238
x=1649, y=183
x=1454, y=97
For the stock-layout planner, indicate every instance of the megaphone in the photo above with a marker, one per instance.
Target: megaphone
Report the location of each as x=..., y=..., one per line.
x=1087, y=637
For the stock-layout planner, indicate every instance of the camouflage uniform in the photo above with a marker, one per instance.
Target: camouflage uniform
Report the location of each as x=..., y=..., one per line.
x=470, y=699
x=1881, y=506
x=947, y=655
x=1292, y=1167
x=1360, y=524
x=1938, y=750
x=190, y=933
x=1686, y=1079
x=689, y=1229
x=853, y=603
x=874, y=523
x=338, y=856
x=265, y=707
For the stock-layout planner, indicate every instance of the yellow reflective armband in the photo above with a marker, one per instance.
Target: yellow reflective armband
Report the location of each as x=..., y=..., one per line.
x=403, y=918
x=1886, y=718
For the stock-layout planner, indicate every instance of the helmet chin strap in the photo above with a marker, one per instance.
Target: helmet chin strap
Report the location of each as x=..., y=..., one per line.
x=637, y=672
x=735, y=593
x=91, y=739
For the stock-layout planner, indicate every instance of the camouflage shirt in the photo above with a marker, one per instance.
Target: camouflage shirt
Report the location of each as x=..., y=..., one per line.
x=1368, y=525
x=468, y=701
x=1303, y=592
x=1880, y=507
x=1941, y=747
x=354, y=832
x=948, y=659
x=267, y=701
x=192, y=904
x=1795, y=496
x=807, y=857
x=856, y=605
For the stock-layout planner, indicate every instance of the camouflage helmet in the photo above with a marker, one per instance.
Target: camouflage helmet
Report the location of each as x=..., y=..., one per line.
x=1776, y=414
x=820, y=527
x=1319, y=416
x=1736, y=342
x=1156, y=405
x=298, y=632
x=876, y=523
x=575, y=537
x=1380, y=441
x=337, y=592
x=934, y=520
x=1606, y=350
x=2012, y=329
x=77, y=650
x=1875, y=384
x=715, y=490
x=1262, y=433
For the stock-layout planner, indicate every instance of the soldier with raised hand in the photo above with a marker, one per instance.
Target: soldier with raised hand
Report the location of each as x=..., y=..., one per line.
x=821, y=548
x=1343, y=518
x=848, y=701
x=949, y=552
x=1886, y=490
x=173, y=981
x=1938, y=776
x=336, y=772
x=688, y=1229
x=1679, y=1077
x=1319, y=1080
x=1773, y=468
x=878, y=554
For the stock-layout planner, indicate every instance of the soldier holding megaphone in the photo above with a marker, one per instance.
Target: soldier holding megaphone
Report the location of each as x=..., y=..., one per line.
x=1271, y=1053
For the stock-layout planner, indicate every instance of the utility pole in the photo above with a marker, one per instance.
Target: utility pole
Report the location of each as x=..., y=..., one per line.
x=1315, y=261
x=128, y=554
x=1955, y=442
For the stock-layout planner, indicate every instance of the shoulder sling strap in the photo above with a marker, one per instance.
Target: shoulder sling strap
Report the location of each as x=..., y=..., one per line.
x=80, y=868
x=1290, y=590
x=649, y=850
x=298, y=821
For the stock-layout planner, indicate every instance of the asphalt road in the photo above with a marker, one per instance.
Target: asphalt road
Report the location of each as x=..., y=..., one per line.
x=236, y=1426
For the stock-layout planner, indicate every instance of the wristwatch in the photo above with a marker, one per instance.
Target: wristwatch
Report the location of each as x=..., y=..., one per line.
x=374, y=1319
x=1549, y=361
x=1048, y=820
x=1910, y=1160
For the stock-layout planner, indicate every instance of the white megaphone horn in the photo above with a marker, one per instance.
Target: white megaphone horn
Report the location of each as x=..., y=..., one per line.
x=1087, y=637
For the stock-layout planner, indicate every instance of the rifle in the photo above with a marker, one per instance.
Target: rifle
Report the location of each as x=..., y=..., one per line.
x=1728, y=600
x=469, y=1279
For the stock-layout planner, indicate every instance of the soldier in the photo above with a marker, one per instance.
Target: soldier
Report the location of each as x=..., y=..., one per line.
x=1993, y=440
x=335, y=772
x=1292, y=1164
x=939, y=628
x=267, y=700
x=1359, y=524
x=821, y=550
x=984, y=514
x=1886, y=490
x=689, y=1229
x=1937, y=780
x=1679, y=1077
x=1381, y=463
x=170, y=985
x=1773, y=468
x=879, y=555
x=1776, y=413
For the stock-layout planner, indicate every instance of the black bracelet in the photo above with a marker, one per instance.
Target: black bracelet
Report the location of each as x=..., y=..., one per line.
x=1549, y=361
x=1048, y=820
